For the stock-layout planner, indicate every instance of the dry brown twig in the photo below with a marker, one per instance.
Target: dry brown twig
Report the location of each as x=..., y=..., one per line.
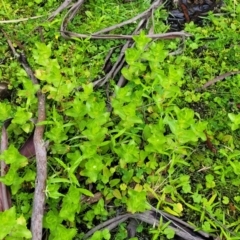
x=5, y=200
x=181, y=228
x=41, y=152
x=19, y=20
x=100, y=34
x=219, y=78
x=63, y=6
x=41, y=159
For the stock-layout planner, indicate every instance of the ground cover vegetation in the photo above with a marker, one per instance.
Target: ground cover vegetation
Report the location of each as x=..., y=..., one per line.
x=149, y=150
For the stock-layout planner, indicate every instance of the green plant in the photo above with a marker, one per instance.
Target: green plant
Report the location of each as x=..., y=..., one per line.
x=156, y=143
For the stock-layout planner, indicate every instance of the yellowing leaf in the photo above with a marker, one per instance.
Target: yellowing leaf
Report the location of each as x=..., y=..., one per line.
x=170, y=211
x=123, y=186
x=178, y=208
x=117, y=194
x=138, y=188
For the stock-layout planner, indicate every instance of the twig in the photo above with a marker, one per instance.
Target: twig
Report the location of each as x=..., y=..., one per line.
x=219, y=78
x=64, y=5
x=99, y=35
x=151, y=218
x=20, y=20
x=148, y=217
x=120, y=61
x=70, y=14
x=113, y=222
x=142, y=15
x=132, y=228
x=177, y=220
x=23, y=60
x=15, y=54
x=41, y=152
x=40, y=185
x=169, y=35
x=5, y=201
x=209, y=144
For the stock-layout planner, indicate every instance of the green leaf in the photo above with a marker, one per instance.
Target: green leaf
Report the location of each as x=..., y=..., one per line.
x=225, y=200
x=114, y=182
x=137, y=201
x=210, y=181
x=52, y=190
x=141, y=41
x=51, y=220
x=99, y=208
x=21, y=116
x=13, y=227
x=20, y=230
x=62, y=232
x=170, y=211
x=71, y=204
x=193, y=45
x=5, y=110
x=117, y=194
x=42, y=53
x=13, y=157
x=169, y=232
x=197, y=197
x=93, y=167
x=7, y=221
x=85, y=192
x=101, y=235
x=127, y=175
x=235, y=119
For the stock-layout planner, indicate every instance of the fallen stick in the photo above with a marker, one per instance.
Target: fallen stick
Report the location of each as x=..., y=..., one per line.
x=219, y=78
x=40, y=149
x=5, y=200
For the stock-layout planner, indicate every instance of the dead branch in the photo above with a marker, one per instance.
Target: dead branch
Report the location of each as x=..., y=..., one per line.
x=144, y=15
x=5, y=200
x=169, y=35
x=23, y=60
x=19, y=20
x=40, y=149
x=181, y=229
x=144, y=18
x=40, y=185
x=219, y=78
x=63, y=6
x=99, y=34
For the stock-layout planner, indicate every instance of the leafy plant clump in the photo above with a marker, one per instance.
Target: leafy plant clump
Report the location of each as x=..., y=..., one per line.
x=160, y=140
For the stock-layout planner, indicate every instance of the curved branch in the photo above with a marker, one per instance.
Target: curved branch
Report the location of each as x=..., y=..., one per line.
x=64, y=5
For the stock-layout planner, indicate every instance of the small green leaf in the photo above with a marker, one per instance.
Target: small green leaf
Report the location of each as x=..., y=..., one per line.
x=42, y=53
x=169, y=232
x=12, y=156
x=85, y=192
x=21, y=116
x=225, y=200
x=117, y=194
x=5, y=110
x=12, y=227
x=141, y=41
x=7, y=221
x=70, y=205
x=210, y=181
x=137, y=201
